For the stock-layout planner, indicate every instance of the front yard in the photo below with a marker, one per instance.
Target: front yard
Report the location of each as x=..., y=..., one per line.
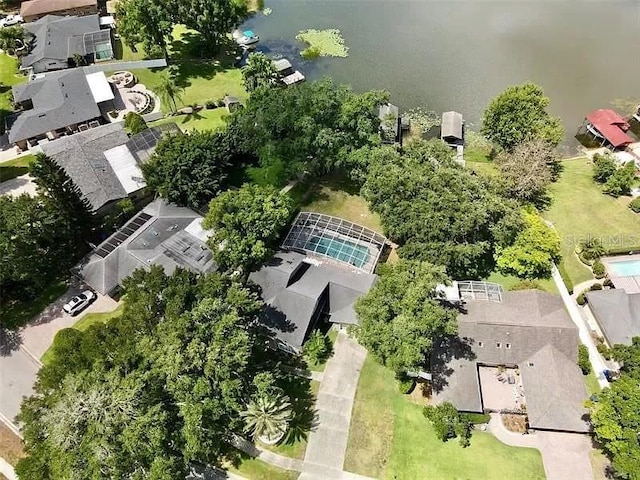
x=580, y=210
x=391, y=439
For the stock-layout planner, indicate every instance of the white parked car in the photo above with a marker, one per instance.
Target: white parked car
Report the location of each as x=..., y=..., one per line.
x=10, y=20
x=79, y=302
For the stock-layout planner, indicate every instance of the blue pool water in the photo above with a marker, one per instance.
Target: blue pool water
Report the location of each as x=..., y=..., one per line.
x=339, y=249
x=628, y=268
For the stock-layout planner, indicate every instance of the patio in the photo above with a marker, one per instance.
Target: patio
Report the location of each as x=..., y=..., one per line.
x=501, y=389
x=131, y=97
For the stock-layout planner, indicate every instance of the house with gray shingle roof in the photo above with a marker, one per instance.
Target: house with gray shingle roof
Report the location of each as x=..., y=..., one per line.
x=528, y=330
x=59, y=103
x=161, y=234
x=105, y=163
x=54, y=40
x=618, y=314
x=298, y=290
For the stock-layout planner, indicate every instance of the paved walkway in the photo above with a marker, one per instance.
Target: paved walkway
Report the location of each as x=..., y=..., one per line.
x=19, y=185
x=7, y=470
x=327, y=444
x=280, y=461
x=596, y=359
x=565, y=455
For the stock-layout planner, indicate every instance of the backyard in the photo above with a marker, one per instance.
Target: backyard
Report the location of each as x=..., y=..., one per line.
x=580, y=210
x=200, y=78
x=9, y=77
x=390, y=438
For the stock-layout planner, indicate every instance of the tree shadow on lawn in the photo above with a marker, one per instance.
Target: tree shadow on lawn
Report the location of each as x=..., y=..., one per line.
x=303, y=404
x=335, y=182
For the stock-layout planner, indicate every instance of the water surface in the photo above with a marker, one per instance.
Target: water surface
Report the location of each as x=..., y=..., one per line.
x=457, y=55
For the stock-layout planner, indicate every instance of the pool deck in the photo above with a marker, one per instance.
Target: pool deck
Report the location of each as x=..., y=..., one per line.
x=629, y=283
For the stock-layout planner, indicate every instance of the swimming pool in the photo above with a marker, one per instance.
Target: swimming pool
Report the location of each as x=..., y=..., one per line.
x=339, y=249
x=625, y=268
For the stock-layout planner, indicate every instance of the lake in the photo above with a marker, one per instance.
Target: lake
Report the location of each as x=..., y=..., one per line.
x=457, y=55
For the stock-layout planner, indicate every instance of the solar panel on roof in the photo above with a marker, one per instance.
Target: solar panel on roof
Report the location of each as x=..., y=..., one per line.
x=111, y=243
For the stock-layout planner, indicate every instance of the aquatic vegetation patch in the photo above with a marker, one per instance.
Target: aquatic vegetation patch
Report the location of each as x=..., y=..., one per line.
x=267, y=11
x=424, y=120
x=323, y=43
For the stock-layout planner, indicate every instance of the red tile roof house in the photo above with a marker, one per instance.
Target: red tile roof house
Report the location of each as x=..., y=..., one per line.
x=36, y=9
x=609, y=128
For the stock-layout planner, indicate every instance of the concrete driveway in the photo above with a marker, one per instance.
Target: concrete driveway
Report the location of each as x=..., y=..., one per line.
x=21, y=350
x=566, y=456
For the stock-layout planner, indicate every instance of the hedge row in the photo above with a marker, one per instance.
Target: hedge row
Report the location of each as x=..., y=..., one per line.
x=7, y=173
x=622, y=250
x=566, y=278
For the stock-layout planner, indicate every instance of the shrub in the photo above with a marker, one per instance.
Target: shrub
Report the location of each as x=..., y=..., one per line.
x=591, y=249
x=448, y=422
x=476, y=418
x=318, y=347
x=635, y=205
x=603, y=167
x=583, y=359
x=526, y=285
x=608, y=283
x=211, y=104
x=598, y=269
x=406, y=385
x=604, y=351
x=581, y=299
x=620, y=182
x=595, y=286
x=7, y=173
x=134, y=123
x=566, y=278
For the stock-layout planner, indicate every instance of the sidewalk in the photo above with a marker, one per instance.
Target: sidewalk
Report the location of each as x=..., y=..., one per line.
x=585, y=334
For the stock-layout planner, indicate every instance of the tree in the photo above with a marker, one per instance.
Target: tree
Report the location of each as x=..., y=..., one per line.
x=621, y=181
x=583, y=359
x=212, y=18
x=439, y=212
x=519, y=114
x=448, y=423
x=267, y=417
x=308, y=128
x=189, y=169
x=134, y=122
x=145, y=21
x=11, y=38
x=401, y=316
x=258, y=72
x=527, y=171
x=53, y=183
x=169, y=92
x=245, y=223
x=534, y=252
x=603, y=167
x=629, y=357
x=591, y=249
x=615, y=418
x=318, y=347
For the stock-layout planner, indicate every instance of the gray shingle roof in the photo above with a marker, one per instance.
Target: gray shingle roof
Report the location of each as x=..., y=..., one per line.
x=296, y=290
x=81, y=155
x=60, y=99
x=162, y=239
x=524, y=324
x=57, y=38
x=617, y=313
x=554, y=391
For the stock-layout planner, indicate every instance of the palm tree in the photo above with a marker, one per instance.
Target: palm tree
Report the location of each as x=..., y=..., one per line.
x=267, y=417
x=258, y=72
x=169, y=92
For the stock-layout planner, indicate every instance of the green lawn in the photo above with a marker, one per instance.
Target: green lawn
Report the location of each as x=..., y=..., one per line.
x=84, y=323
x=17, y=314
x=391, y=439
x=23, y=161
x=580, y=210
x=508, y=281
x=202, y=120
x=591, y=382
x=9, y=77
